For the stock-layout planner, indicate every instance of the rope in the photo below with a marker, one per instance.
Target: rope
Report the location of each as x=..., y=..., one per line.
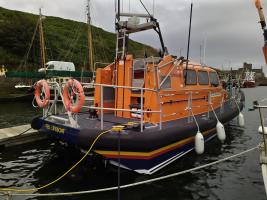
x=198, y=129
x=214, y=113
x=59, y=178
x=143, y=182
x=237, y=105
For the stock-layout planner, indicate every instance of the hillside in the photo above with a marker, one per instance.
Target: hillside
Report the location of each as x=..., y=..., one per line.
x=65, y=40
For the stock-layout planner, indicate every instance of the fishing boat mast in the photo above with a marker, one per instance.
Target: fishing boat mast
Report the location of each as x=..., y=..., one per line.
x=89, y=36
x=42, y=40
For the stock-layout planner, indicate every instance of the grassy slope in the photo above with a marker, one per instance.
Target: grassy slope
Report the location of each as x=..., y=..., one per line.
x=65, y=40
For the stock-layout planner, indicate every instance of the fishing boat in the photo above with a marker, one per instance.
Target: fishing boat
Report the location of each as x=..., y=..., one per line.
x=54, y=70
x=147, y=112
x=249, y=80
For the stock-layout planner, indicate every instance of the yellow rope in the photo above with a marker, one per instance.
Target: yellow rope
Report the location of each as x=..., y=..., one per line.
x=62, y=176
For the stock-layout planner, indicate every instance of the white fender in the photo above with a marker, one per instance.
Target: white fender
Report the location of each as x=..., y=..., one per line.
x=260, y=130
x=134, y=110
x=220, y=131
x=241, y=120
x=199, y=143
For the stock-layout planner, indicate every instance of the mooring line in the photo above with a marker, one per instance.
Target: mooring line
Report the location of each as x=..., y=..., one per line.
x=6, y=191
x=138, y=183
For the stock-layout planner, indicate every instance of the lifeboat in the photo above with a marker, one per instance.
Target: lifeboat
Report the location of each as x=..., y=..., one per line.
x=166, y=107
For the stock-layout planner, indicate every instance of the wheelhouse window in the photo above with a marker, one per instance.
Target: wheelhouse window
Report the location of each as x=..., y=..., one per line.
x=191, y=77
x=167, y=82
x=214, y=81
x=203, y=78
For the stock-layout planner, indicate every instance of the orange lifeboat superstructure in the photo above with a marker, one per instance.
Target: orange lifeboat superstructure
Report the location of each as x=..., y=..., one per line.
x=164, y=89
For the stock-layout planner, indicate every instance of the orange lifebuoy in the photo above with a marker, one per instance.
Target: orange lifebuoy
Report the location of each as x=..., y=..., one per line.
x=73, y=89
x=42, y=93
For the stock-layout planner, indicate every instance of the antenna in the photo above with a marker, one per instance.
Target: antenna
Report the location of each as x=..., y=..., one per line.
x=145, y=8
x=204, y=49
x=188, y=43
x=200, y=54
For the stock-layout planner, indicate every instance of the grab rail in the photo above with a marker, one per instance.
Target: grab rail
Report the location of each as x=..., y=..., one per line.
x=102, y=108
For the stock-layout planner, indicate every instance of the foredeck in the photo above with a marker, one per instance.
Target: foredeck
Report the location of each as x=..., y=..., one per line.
x=85, y=122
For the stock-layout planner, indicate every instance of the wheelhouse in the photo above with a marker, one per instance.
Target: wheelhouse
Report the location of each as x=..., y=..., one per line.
x=156, y=89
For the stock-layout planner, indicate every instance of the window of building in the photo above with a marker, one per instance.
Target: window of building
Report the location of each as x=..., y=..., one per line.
x=191, y=77
x=214, y=81
x=203, y=78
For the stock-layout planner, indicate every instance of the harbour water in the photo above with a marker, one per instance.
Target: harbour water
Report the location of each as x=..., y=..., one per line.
x=36, y=164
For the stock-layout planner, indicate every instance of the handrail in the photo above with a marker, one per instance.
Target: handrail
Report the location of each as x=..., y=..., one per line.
x=188, y=90
x=173, y=67
x=167, y=63
x=119, y=86
x=102, y=108
x=120, y=109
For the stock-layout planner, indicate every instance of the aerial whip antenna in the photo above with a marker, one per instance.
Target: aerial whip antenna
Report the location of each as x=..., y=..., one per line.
x=146, y=9
x=188, y=43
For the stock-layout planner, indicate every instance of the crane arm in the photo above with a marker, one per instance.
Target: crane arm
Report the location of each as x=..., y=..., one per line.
x=263, y=26
x=261, y=14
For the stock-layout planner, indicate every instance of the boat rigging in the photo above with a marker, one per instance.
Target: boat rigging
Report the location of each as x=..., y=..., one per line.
x=90, y=39
x=42, y=40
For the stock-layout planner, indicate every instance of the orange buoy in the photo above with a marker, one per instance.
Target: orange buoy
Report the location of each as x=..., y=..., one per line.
x=73, y=96
x=42, y=93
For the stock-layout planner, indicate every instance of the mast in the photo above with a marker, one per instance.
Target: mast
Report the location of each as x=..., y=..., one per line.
x=42, y=40
x=90, y=42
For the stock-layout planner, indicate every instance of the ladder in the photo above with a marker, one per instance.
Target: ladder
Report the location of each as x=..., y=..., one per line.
x=122, y=38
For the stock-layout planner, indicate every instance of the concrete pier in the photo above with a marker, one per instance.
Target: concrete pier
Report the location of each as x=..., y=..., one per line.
x=19, y=135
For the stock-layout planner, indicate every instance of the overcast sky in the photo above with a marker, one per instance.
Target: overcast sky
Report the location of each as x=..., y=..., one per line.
x=229, y=27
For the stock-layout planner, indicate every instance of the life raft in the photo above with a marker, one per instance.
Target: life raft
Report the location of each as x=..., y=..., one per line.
x=73, y=96
x=42, y=93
